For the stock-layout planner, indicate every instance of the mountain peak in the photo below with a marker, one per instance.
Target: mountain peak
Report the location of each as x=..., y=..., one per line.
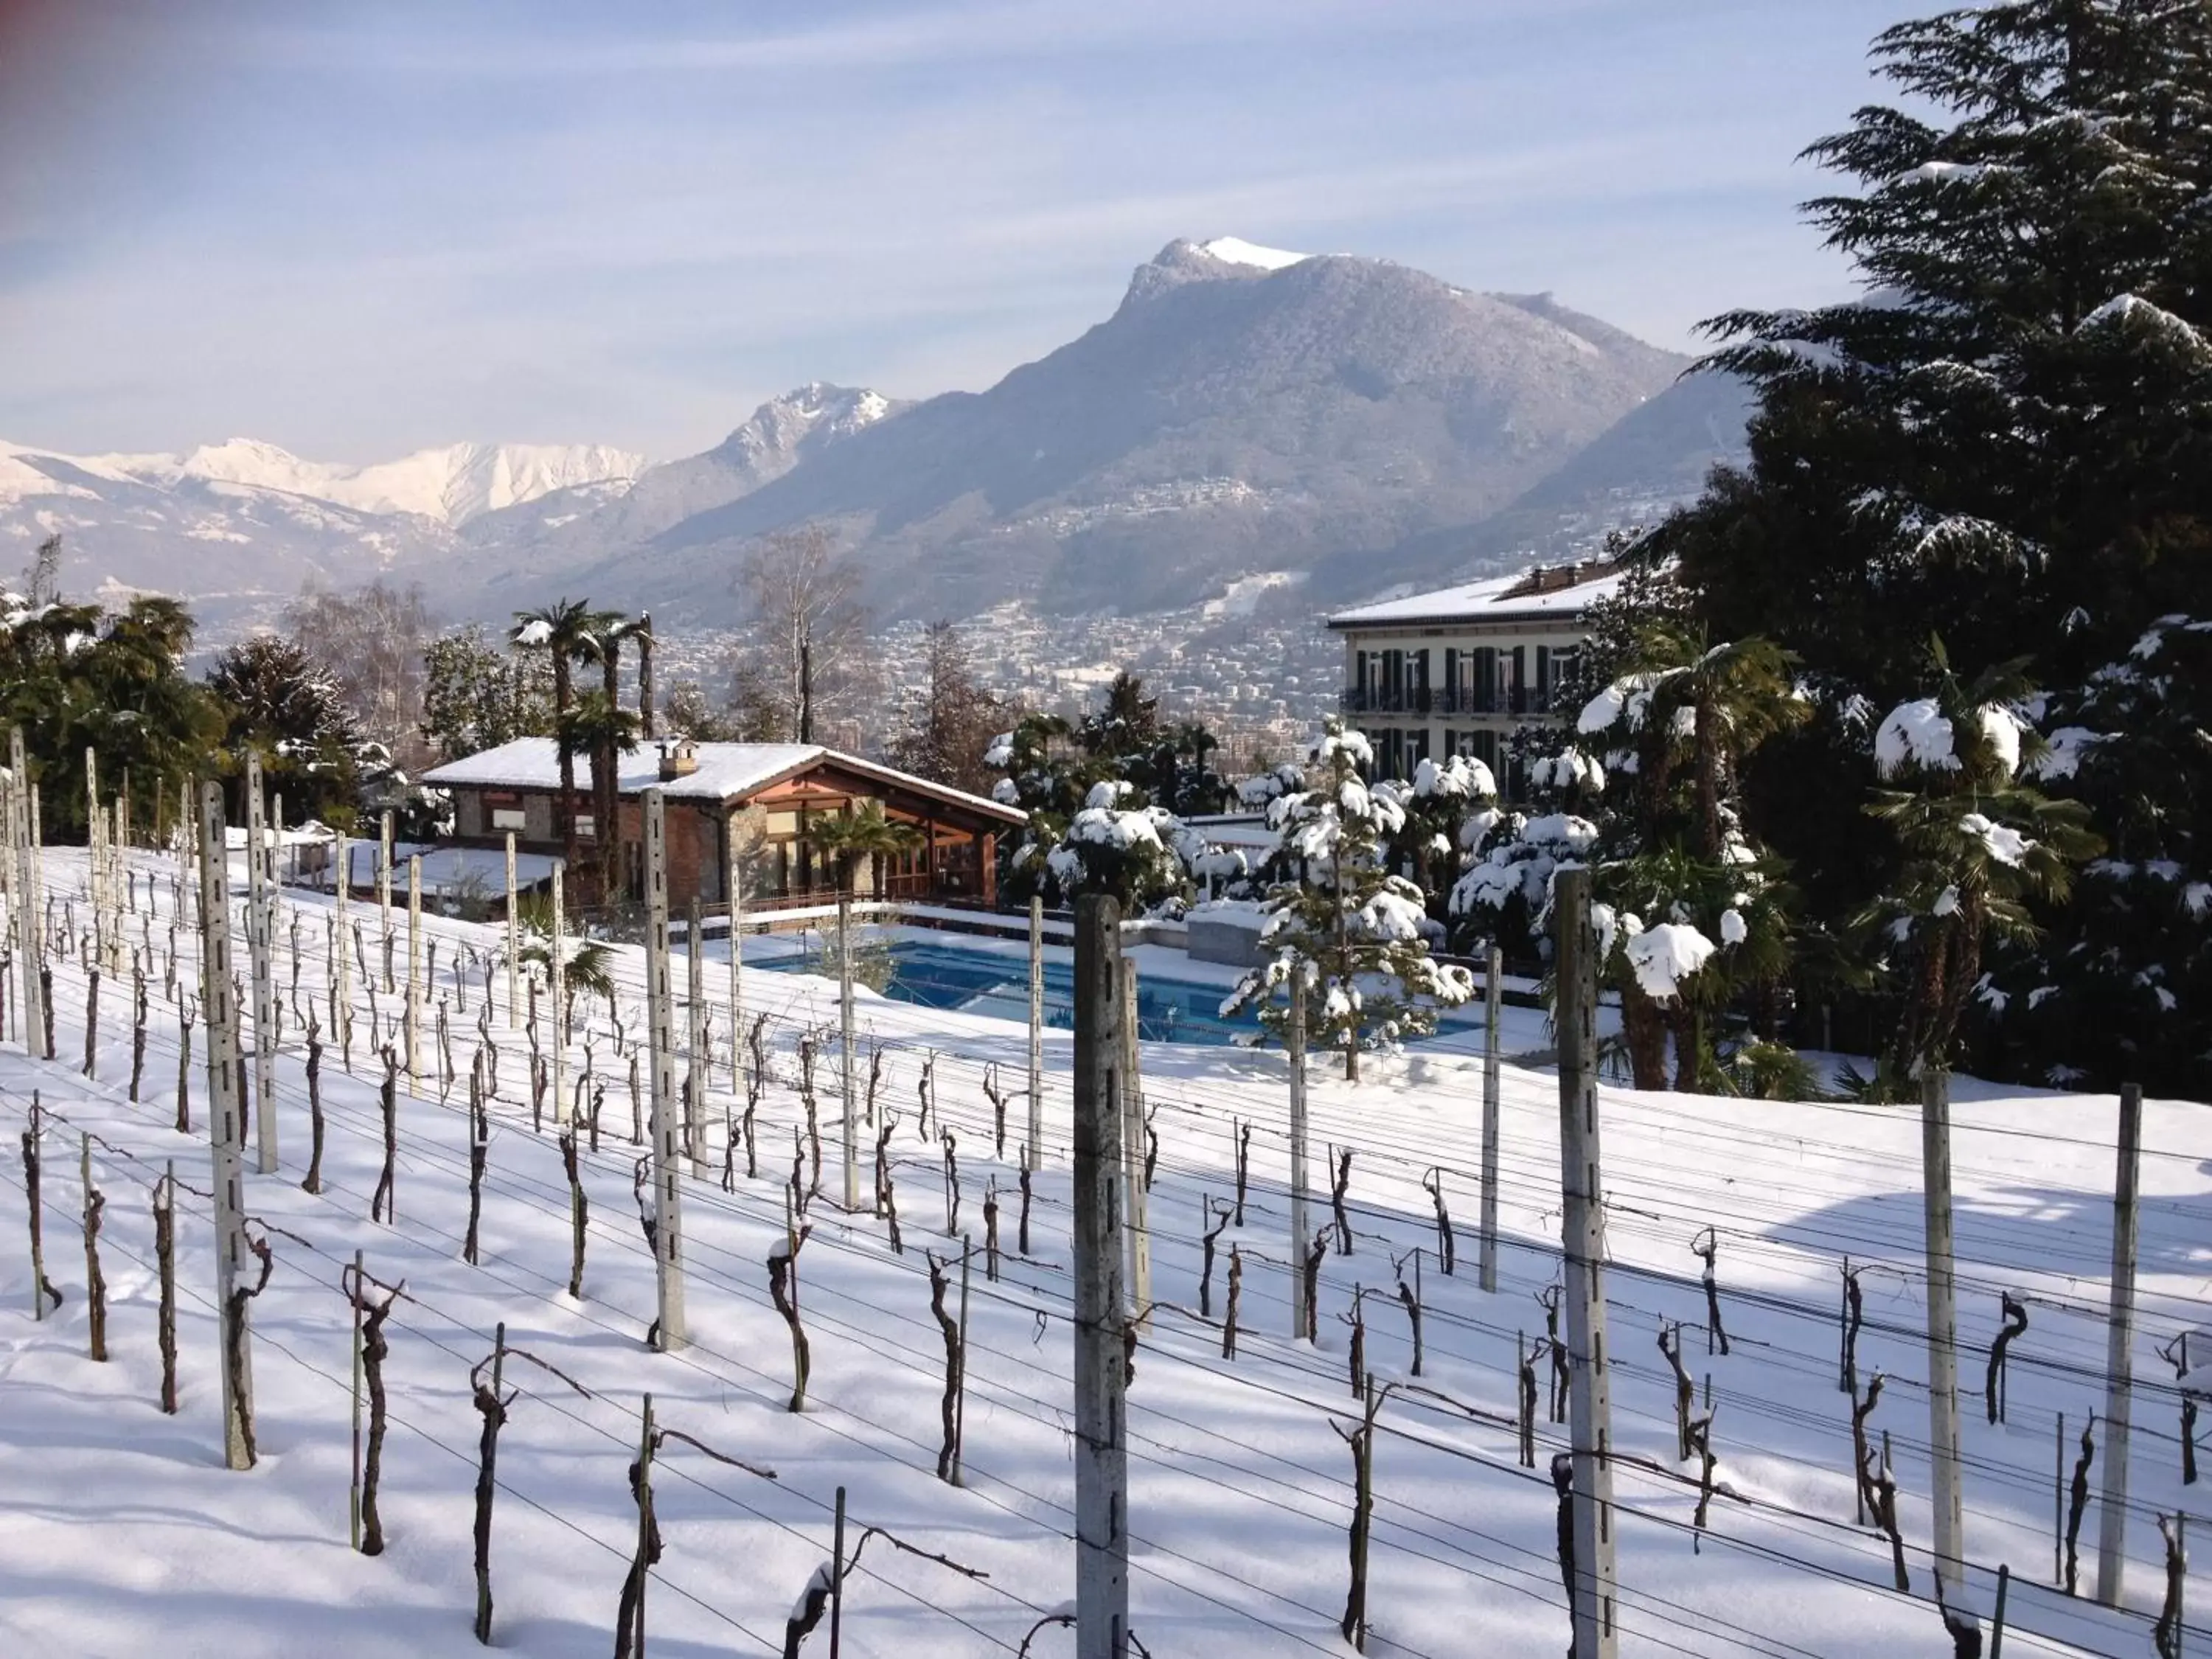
x=1226, y=258
x=1236, y=250
x=819, y=409
x=451, y=482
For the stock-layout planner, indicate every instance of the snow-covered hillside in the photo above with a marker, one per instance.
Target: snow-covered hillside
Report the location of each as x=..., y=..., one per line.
x=121, y=1533
x=238, y=528
x=451, y=485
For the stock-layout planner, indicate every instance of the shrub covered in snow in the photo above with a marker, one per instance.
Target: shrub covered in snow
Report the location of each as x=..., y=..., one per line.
x=1357, y=936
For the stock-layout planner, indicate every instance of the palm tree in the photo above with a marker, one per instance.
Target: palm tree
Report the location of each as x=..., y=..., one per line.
x=1693, y=714
x=602, y=643
x=846, y=838
x=1978, y=846
x=587, y=965
x=560, y=630
x=605, y=732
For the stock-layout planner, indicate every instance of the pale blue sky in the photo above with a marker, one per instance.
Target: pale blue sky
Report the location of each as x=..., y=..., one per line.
x=354, y=230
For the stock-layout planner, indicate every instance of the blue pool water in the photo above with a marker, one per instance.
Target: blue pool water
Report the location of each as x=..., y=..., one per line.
x=982, y=983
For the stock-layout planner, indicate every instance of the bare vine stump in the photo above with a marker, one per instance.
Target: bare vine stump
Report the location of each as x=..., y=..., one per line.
x=42, y=1287
x=165, y=1257
x=1235, y=1293
x=313, y=1182
x=383, y=1203
x=783, y=1291
x=374, y=1309
x=95, y=1281
x=955, y=1367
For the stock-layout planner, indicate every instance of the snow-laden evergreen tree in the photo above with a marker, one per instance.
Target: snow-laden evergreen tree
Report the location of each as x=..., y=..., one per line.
x=1979, y=844
x=1696, y=927
x=1098, y=817
x=79, y=676
x=1256, y=792
x=278, y=702
x=1434, y=804
x=476, y=695
x=1114, y=845
x=1357, y=936
x=2134, y=950
x=2008, y=439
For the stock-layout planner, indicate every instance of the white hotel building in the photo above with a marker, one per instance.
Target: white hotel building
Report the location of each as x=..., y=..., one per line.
x=1456, y=671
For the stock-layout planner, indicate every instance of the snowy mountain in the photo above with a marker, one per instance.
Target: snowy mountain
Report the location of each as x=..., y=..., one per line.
x=243, y=521
x=453, y=484
x=780, y=434
x=1244, y=408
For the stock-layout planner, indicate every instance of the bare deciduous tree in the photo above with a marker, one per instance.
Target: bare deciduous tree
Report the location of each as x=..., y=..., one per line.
x=805, y=674
x=370, y=642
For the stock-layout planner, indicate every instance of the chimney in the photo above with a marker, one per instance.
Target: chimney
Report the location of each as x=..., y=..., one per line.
x=679, y=758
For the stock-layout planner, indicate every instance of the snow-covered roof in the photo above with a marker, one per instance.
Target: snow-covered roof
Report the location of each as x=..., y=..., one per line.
x=725, y=770
x=446, y=869
x=1237, y=829
x=1495, y=598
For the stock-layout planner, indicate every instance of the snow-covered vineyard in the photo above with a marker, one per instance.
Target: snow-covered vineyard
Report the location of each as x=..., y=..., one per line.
x=123, y=1533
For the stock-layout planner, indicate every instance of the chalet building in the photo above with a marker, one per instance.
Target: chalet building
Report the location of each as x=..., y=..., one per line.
x=1457, y=671
x=764, y=793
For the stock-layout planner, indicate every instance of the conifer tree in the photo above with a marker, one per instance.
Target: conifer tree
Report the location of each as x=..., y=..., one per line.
x=2009, y=438
x=1357, y=936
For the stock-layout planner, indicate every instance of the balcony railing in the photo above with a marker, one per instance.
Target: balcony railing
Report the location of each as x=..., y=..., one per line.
x=1520, y=699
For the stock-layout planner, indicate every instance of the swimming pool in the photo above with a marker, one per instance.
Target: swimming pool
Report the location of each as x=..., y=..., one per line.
x=985, y=982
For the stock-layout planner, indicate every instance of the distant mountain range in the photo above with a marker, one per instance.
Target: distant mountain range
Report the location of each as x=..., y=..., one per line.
x=1244, y=409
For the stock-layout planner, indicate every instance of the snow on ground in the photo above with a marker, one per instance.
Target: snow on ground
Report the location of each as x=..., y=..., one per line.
x=121, y=1533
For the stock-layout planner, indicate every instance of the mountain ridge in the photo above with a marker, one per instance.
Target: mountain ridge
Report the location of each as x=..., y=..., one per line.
x=1323, y=402
x=1242, y=407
